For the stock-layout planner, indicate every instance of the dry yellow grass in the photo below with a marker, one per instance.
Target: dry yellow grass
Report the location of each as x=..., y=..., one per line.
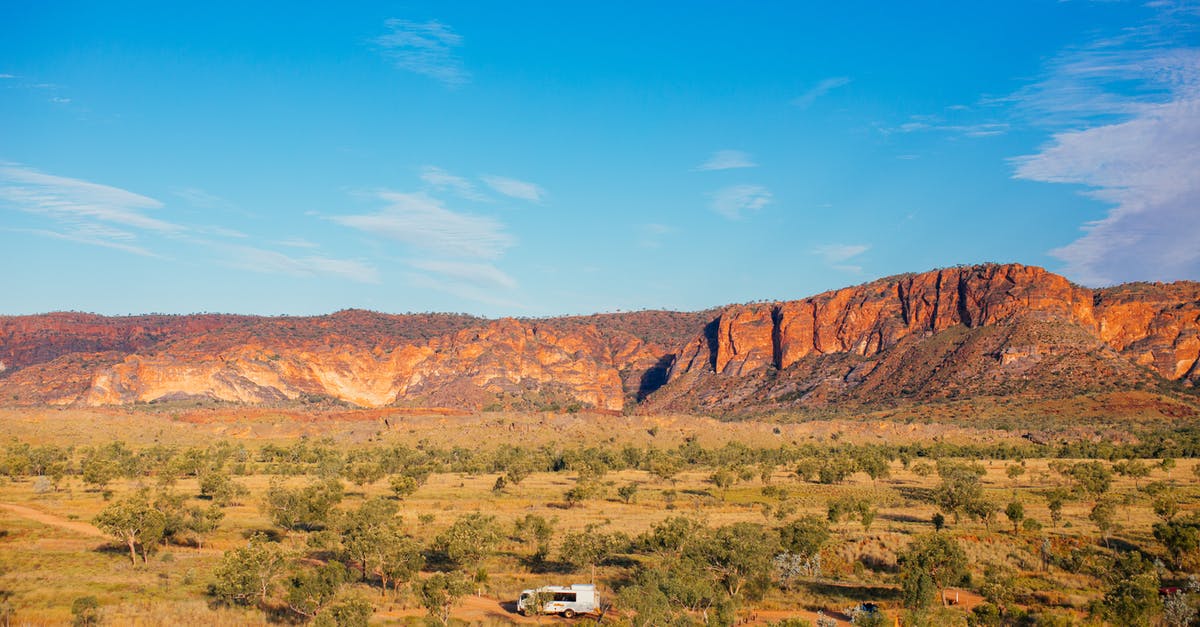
x=46, y=566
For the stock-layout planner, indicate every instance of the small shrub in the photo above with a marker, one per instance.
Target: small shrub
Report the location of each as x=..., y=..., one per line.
x=85, y=611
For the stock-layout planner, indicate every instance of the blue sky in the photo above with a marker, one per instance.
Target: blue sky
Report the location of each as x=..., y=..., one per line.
x=544, y=158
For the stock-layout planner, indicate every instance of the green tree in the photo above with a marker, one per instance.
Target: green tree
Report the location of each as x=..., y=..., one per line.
x=367, y=529
x=353, y=612
x=1132, y=595
x=983, y=509
x=403, y=485
x=930, y=563
x=1166, y=505
x=1015, y=512
x=440, y=593
x=584, y=488
x=1092, y=478
x=469, y=540
x=135, y=522
x=960, y=487
x=669, y=593
x=1133, y=468
x=1055, y=499
x=218, y=486
x=875, y=463
x=398, y=561
x=628, y=492
x=835, y=468
x=739, y=557
x=670, y=536
x=589, y=548
x=665, y=467
x=1104, y=515
x=850, y=508
x=1014, y=472
x=365, y=472
x=723, y=479
x=248, y=574
x=1181, y=538
x=805, y=536
x=302, y=508
x=85, y=612
x=535, y=531
x=202, y=521
x=310, y=590
x=801, y=541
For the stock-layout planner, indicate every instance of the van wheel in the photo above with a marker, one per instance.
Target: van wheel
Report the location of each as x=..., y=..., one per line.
x=568, y=613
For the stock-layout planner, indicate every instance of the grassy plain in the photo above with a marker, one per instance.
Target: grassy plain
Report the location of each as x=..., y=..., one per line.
x=50, y=555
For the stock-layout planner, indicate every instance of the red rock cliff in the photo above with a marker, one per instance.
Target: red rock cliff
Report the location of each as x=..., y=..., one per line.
x=1158, y=327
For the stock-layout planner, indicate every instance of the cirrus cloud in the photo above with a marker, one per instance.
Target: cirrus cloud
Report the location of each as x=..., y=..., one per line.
x=736, y=200
x=1131, y=111
x=727, y=160
x=426, y=48
x=422, y=221
x=515, y=188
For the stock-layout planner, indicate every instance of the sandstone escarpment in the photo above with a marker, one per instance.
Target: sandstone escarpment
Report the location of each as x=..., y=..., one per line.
x=464, y=369
x=867, y=319
x=987, y=329
x=971, y=330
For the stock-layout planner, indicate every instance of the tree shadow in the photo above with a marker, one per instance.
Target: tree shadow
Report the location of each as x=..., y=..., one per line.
x=924, y=495
x=904, y=518
x=860, y=593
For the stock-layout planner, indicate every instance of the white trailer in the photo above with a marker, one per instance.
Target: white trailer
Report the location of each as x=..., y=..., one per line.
x=577, y=598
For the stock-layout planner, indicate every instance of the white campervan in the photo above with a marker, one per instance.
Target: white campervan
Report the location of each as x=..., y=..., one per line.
x=569, y=600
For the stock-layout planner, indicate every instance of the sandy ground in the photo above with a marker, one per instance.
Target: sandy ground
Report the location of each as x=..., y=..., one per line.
x=44, y=518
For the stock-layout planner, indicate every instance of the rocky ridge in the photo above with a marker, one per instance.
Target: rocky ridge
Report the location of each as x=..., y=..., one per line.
x=975, y=330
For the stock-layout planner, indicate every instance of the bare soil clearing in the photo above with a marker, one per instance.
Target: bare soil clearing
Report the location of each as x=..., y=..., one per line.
x=45, y=518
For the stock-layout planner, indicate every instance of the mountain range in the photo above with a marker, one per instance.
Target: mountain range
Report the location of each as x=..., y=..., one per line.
x=969, y=331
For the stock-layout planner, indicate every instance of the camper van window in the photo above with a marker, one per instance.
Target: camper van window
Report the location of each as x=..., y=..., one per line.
x=569, y=597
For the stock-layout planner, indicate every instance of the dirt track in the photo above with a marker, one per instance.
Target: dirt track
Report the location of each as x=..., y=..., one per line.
x=44, y=518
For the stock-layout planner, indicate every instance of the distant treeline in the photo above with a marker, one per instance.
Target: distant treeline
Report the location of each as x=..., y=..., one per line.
x=100, y=464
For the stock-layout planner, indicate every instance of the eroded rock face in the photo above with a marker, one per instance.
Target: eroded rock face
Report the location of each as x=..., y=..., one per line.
x=1003, y=325
x=1157, y=326
x=462, y=369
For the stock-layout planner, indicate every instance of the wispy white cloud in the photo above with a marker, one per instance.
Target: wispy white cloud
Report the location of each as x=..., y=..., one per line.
x=273, y=262
x=727, y=160
x=820, y=89
x=482, y=275
x=515, y=188
x=1131, y=106
x=736, y=200
x=110, y=217
x=2, y=76
x=89, y=237
x=82, y=211
x=426, y=48
x=73, y=200
x=440, y=179
x=422, y=221
x=836, y=255
x=651, y=235
x=488, y=295
x=936, y=123
x=295, y=242
x=201, y=199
